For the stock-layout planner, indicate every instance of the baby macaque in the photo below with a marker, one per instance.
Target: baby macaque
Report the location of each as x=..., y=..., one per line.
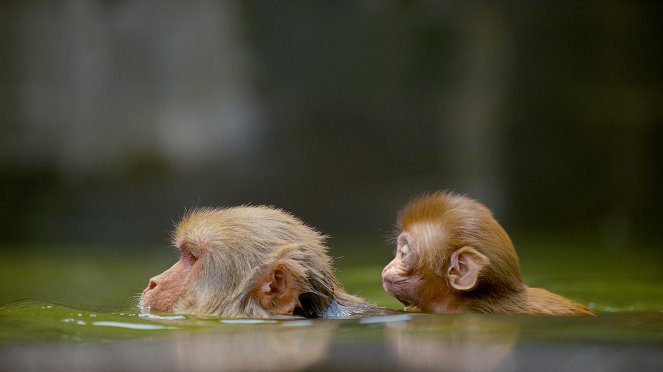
x=452, y=256
x=251, y=262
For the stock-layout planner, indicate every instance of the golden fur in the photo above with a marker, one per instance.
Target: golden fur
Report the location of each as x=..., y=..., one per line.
x=466, y=222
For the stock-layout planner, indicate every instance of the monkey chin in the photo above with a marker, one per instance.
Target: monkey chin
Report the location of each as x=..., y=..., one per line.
x=388, y=287
x=144, y=307
x=148, y=305
x=392, y=289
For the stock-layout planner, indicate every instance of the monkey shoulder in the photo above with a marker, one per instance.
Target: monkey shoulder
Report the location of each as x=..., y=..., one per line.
x=543, y=302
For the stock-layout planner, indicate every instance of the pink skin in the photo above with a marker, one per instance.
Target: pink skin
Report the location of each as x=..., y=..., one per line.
x=165, y=289
x=428, y=293
x=398, y=278
x=400, y=284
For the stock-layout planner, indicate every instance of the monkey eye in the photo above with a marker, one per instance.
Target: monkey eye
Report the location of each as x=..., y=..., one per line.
x=405, y=250
x=189, y=256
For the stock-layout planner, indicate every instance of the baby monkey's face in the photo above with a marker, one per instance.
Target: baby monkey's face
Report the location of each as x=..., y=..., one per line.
x=405, y=277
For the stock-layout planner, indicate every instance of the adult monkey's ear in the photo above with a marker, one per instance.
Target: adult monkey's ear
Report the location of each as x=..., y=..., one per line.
x=278, y=288
x=464, y=268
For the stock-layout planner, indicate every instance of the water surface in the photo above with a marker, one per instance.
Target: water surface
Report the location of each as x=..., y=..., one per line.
x=38, y=335
x=78, y=316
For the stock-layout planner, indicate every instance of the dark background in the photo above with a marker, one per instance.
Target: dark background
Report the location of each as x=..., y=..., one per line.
x=116, y=116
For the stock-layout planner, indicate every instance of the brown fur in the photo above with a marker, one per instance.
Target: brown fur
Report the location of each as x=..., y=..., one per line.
x=442, y=223
x=238, y=249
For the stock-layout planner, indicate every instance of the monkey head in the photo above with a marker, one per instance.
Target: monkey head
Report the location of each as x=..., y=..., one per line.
x=245, y=262
x=449, y=249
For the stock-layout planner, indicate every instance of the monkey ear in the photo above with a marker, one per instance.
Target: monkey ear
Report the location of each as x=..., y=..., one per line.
x=277, y=290
x=464, y=268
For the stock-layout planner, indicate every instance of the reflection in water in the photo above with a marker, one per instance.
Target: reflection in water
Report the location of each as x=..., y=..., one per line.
x=248, y=348
x=453, y=343
x=40, y=336
x=385, y=319
x=287, y=348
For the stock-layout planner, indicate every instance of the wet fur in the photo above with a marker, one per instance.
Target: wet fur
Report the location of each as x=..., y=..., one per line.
x=238, y=244
x=499, y=289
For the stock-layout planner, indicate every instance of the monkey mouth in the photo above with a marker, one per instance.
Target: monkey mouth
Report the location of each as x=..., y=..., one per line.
x=388, y=286
x=392, y=287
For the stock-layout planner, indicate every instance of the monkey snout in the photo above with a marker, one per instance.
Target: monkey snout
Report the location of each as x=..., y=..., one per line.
x=388, y=268
x=387, y=285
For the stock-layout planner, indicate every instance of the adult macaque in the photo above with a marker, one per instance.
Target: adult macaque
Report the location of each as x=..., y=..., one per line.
x=255, y=262
x=453, y=256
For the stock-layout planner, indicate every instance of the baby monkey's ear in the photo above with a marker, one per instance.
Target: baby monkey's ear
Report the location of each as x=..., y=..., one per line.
x=278, y=289
x=464, y=268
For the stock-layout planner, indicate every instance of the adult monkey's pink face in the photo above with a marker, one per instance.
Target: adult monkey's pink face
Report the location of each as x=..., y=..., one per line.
x=247, y=262
x=165, y=290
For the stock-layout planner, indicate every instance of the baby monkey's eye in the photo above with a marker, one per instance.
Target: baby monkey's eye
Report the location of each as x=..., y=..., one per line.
x=403, y=245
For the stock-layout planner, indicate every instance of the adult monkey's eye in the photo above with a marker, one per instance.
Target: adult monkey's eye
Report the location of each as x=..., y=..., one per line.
x=188, y=256
x=405, y=250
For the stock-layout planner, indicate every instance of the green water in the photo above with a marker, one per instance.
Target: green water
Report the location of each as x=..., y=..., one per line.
x=72, y=310
x=38, y=335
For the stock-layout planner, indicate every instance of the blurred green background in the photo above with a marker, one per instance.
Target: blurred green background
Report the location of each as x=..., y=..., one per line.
x=116, y=116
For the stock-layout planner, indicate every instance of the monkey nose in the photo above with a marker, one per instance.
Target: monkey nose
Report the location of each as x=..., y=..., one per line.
x=389, y=267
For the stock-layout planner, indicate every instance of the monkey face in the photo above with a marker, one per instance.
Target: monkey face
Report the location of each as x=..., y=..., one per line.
x=409, y=277
x=399, y=277
x=402, y=287
x=245, y=262
x=166, y=289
